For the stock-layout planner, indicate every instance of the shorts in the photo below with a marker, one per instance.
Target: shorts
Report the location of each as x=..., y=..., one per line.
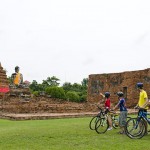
x=122, y=118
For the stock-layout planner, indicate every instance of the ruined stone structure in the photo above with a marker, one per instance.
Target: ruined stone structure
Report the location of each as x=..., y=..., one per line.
x=14, y=103
x=3, y=79
x=113, y=82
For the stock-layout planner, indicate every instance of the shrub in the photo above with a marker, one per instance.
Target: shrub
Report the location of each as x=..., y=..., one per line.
x=72, y=96
x=36, y=93
x=83, y=98
x=55, y=92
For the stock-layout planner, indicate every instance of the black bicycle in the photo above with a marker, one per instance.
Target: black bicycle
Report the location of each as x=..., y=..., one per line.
x=136, y=128
x=102, y=125
x=93, y=121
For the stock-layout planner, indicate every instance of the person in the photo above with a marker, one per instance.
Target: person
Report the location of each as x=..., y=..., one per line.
x=143, y=99
x=17, y=78
x=123, y=111
x=107, y=108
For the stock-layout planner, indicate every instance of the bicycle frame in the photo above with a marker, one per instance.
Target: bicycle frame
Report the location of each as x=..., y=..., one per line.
x=141, y=115
x=93, y=121
x=101, y=112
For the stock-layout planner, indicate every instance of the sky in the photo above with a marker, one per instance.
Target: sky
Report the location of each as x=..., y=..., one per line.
x=71, y=39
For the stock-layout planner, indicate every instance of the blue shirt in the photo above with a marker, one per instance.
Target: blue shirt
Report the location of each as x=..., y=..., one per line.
x=122, y=105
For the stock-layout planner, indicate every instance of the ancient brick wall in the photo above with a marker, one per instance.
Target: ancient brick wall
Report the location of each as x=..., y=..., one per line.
x=113, y=82
x=44, y=105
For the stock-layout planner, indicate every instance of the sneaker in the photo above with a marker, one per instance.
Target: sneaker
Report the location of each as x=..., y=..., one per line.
x=110, y=128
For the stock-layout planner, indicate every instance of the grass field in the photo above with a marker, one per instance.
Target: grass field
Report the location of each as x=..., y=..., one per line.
x=63, y=134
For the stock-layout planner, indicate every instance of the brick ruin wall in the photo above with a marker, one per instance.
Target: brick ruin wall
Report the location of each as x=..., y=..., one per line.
x=114, y=82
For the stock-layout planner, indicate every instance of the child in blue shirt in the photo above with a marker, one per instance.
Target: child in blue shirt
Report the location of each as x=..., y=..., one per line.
x=123, y=111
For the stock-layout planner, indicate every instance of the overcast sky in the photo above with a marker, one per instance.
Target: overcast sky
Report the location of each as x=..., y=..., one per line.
x=71, y=39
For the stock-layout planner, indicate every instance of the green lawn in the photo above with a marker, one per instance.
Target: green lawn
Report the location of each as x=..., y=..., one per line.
x=63, y=134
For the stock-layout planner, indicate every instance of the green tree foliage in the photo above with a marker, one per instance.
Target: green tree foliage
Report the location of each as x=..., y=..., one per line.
x=72, y=96
x=84, y=83
x=50, y=86
x=51, y=81
x=72, y=87
x=76, y=87
x=80, y=89
x=34, y=86
x=36, y=93
x=55, y=92
x=67, y=86
x=83, y=98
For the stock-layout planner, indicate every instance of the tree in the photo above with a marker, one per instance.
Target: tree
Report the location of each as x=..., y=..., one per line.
x=76, y=87
x=76, y=92
x=51, y=81
x=34, y=86
x=85, y=82
x=67, y=86
x=72, y=96
x=55, y=92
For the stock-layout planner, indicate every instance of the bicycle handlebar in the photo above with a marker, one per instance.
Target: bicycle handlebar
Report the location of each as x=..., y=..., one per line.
x=99, y=107
x=140, y=108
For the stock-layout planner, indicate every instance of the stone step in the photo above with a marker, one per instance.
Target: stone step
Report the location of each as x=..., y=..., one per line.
x=41, y=116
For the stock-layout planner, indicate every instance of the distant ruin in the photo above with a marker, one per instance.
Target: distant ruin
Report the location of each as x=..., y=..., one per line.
x=3, y=78
x=13, y=102
x=113, y=82
x=4, y=83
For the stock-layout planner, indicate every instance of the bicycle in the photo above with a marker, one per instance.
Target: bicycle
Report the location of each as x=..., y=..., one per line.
x=102, y=125
x=136, y=128
x=95, y=118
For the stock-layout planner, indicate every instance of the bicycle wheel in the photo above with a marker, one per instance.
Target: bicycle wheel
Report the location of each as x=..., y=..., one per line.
x=115, y=121
x=93, y=122
x=128, y=118
x=101, y=125
x=135, y=129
